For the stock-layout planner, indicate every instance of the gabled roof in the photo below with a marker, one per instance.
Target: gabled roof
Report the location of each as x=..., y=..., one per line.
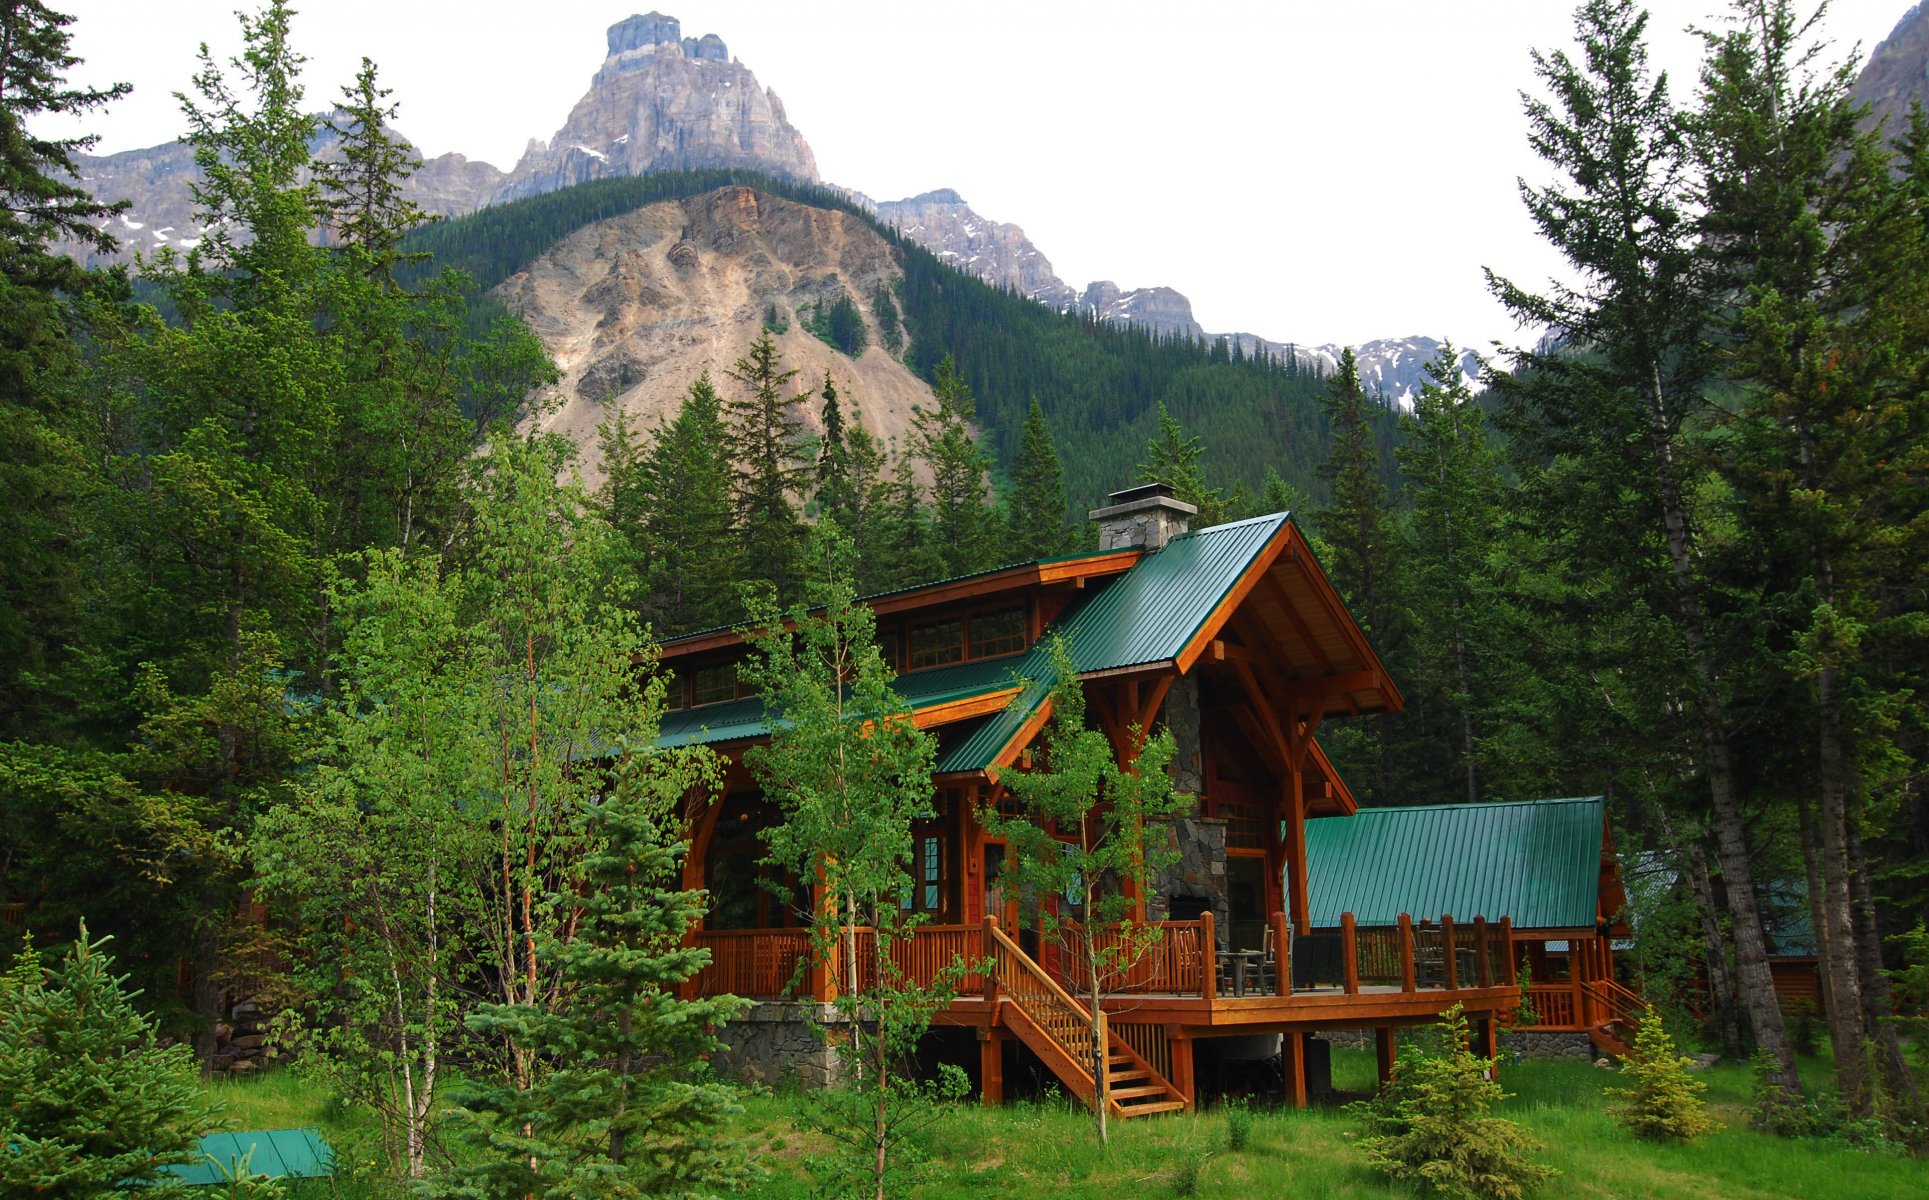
x=1538, y=862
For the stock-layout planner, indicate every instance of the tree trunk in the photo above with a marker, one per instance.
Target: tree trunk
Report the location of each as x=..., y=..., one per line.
x=1757, y=985
x=1846, y=1030
x=1877, y=1001
x=1721, y=984
x=1812, y=870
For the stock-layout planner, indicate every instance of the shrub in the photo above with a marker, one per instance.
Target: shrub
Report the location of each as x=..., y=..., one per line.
x=1430, y=1127
x=1662, y=1102
x=1239, y=1124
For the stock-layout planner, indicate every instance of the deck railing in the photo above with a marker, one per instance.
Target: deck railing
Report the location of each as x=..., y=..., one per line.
x=922, y=958
x=1174, y=963
x=1553, y=1005
x=1411, y=956
x=1064, y=1021
x=772, y=964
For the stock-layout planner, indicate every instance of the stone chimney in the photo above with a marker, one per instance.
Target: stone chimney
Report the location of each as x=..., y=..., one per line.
x=1148, y=515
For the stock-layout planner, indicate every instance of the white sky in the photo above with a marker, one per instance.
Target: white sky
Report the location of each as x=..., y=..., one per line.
x=1306, y=170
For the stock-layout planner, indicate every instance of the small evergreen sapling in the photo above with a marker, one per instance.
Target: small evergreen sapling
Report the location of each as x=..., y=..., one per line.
x=1430, y=1126
x=1661, y=1102
x=91, y=1104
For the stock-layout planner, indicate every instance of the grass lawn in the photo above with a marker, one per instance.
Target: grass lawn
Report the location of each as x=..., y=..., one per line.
x=1048, y=1150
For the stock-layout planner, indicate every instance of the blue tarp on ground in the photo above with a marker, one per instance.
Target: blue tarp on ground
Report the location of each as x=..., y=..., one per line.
x=276, y=1153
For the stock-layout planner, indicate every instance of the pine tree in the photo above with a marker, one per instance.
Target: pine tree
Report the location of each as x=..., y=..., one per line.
x=1037, y=507
x=1172, y=457
x=1453, y=475
x=1662, y=1102
x=40, y=472
x=941, y=440
x=1612, y=407
x=617, y=1108
x=1357, y=524
x=764, y=437
x=836, y=496
x=91, y=1103
x=363, y=193
x=671, y=499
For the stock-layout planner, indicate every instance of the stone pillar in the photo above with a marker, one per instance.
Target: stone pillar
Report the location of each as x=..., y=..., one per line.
x=1198, y=874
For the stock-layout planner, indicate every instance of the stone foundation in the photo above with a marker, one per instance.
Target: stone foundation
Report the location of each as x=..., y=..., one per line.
x=1549, y=1043
x=774, y=1042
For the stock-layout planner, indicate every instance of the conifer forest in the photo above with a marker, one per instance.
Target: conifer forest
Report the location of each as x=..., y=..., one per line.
x=330, y=679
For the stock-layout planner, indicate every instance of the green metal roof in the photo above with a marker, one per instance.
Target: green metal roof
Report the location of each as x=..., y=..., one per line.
x=276, y=1153
x=1148, y=614
x=1536, y=861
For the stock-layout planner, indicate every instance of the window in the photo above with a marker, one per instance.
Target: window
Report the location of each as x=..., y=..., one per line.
x=937, y=644
x=711, y=685
x=672, y=691
x=887, y=649
x=927, y=877
x=998, y=633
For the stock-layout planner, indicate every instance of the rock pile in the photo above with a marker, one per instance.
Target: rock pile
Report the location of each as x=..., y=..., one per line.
x=241, y=1042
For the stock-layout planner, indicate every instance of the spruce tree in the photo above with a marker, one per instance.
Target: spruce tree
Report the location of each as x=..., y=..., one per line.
x=836, y=496
x=91, y=1102
x=1172, y=457
x=764, y=437
x=618, y=1106
x=363, y=193
x=961, y=520
x=1037, y=509
x=690, y=563
x=1661, y=1102
x=1612, y=408
x=1358, y=527
x=40, y=460
x=1453, y=475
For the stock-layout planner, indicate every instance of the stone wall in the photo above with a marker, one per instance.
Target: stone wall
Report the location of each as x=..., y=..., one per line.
x=1549, y=1043
x=772, y=1042
x=1199, y=873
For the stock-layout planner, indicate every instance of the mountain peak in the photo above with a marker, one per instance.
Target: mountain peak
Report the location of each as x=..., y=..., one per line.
x=644, y=30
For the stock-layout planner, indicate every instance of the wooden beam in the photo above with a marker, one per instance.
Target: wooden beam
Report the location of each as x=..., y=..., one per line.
x=1349, y=954
x=1384, y=1048
x=963, y=710
x=1292, y=1047
x=1285, y=601
x=1182, y=1075
x=991, y=1066
x=1224, y=651
x=1235, y=596
x=1406, y=953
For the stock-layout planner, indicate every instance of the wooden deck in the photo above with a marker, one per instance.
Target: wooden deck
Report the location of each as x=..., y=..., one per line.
x=1184, y=990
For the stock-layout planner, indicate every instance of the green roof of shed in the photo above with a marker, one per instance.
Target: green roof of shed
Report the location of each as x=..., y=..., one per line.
x=276, y=1153
x=1536, y=861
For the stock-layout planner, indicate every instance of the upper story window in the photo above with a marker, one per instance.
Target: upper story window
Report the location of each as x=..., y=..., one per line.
x=936, y=644
x=712, y=685
x=672, y=691
x=1001, y=632
x=887, y=649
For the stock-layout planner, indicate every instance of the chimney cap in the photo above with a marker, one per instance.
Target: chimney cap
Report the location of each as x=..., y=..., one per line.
x=1143, y=491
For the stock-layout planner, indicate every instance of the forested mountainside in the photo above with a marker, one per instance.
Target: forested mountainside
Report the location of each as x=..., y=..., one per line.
x=1100, y=385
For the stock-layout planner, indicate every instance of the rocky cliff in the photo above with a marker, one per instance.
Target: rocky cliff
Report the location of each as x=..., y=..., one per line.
x=1897, y=74
x=634, y=308
x=664, y=102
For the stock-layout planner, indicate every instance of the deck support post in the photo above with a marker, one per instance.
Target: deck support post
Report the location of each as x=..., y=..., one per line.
x=991, y=1066
x=1182, y=1071
x=1406, y=953
x=1350, y=954
x=1483, y=955
x=1292, y=1046
x=1384, y=1046
x=1488, y=1035
x=1208, y=957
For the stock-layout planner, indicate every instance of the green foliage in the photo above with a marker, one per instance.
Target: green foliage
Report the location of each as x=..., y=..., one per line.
x=1100, y=803
x=91, y=1102
x=962, y=530
x=1662, y=1101
x=763, y=436
x=890, y=323
x=1172, y=457
x=850, y=773
x=1239, y=1124
x=1035, y=512
x=617, y=1106
x=838, y=325
x=1430, y=1126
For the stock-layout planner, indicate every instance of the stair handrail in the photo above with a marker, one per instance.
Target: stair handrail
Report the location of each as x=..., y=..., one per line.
x=1622, y=1002
x=1014, y=967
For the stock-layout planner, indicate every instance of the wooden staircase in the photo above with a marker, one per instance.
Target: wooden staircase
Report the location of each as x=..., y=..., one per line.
x=1059, y=1030
x=1624, y=1008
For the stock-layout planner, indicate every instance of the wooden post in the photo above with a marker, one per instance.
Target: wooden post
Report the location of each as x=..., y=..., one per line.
x=1490, y=1038
x=1104, y=1056
x=1282, y=957
x=990, y=950
x=1182, y=1078
x=1507, y=944
x=1208, y=957
x=1292, y=1046
x=1406, y=953
x=1574, y=971
x=1384, y=1046
x=1483, y=955
x=823, y=968
x=991, y=1066
x=1449, y=960
x=1350, y=954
